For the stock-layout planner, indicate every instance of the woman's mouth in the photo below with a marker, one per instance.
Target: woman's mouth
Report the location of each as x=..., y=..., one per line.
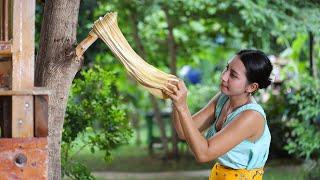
x=223, y=86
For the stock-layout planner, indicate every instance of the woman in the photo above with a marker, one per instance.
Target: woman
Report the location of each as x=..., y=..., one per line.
x=238, y=135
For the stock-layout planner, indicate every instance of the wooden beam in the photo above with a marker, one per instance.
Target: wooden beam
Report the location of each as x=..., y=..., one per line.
x=22, y=116
x=5, y=49
x=2, y=20
x=23, y=44
x=5, y=74
x=4, y=10
x=23, y=67
x=5, y=116
x=41, y=115
x=34, y=91
x=6, y=20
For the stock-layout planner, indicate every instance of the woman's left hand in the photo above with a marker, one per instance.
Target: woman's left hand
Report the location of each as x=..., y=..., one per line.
x=178, y=94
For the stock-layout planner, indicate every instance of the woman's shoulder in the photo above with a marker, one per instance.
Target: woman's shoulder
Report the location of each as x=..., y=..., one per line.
x=253, y=109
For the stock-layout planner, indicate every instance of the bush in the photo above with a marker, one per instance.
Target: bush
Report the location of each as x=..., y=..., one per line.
x=199, y=95
x=94, y=111
x=276, y=109
x=304, y=106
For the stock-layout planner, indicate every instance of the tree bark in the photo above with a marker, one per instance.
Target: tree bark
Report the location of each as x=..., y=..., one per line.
x=56, y=66
x=172, y=56
x=155, y=105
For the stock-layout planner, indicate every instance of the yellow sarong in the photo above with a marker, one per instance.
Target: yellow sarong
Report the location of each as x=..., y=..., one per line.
x=220, y=172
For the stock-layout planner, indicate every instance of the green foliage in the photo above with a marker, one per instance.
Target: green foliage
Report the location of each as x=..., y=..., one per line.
x=94, y=104
x=96, y=110
x=305, y=111
x=304, y=115
x=199, y=95
x=281, y=17
x=76, y=170
x=276, y=109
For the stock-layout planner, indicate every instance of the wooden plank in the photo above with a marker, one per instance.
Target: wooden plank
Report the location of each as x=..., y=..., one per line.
x=23, y=158
x=5, y=49
x=10, y=19
x=1, y=20
x=5, y=116
x=6, y=19
x=4, y=35
x=5, y=75
x=23, y=45
x=34, y=91
x=41, y=115
x=22, y=116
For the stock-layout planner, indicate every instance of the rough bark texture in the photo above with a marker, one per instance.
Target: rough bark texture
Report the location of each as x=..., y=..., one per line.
x=155, y=105
x=55, y=69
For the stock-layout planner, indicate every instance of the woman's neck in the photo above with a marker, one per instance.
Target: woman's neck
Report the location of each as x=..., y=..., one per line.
x=240, y=100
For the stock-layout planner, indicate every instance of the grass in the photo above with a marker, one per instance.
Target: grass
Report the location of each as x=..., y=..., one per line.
x=284, y=173
x=135, y=159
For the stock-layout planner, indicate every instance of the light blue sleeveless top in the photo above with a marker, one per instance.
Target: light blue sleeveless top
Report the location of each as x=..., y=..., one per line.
x=247, y=154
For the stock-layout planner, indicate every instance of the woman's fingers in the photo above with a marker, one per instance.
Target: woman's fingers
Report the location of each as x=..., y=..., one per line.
x=172, y=88
x=181, y=84
x=167, y=89
x=174, y=83
x=168, y=93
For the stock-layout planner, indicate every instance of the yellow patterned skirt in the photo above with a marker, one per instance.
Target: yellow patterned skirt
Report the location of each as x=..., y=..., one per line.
x=220, y=172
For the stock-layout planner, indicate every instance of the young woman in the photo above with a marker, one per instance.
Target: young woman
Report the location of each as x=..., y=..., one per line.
x=238, y=135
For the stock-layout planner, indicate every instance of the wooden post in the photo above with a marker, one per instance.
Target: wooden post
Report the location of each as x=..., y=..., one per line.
x=23, y=67
x=41, y=115
x=4, y=32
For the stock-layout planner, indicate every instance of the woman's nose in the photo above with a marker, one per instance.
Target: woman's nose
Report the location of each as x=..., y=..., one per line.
x=224, y=76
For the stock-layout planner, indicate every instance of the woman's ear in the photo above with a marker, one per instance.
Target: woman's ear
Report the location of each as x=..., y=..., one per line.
x=251, y=88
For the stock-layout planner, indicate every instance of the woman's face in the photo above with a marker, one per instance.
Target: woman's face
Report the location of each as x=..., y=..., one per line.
x=233, y=78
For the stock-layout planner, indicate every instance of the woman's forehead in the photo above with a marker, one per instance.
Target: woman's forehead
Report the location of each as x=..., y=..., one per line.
x=236, y=65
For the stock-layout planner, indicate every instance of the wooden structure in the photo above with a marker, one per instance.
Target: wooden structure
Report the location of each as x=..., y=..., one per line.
x=23, y=108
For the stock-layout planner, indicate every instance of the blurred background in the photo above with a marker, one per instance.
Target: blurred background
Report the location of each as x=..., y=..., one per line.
x=114, y=129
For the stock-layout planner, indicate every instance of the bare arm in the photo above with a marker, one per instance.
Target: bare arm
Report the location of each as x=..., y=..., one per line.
x=202, y=119
x=248, y=125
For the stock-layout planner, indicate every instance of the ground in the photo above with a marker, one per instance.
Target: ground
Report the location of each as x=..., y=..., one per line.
x=133, y=162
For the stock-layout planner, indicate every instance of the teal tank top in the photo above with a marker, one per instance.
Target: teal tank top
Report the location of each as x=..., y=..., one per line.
x=247, y=154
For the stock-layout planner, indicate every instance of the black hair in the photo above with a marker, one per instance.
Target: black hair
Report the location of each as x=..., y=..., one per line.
x=258, y=67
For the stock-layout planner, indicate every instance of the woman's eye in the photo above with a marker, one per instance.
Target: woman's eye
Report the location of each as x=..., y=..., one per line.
x=233, y=76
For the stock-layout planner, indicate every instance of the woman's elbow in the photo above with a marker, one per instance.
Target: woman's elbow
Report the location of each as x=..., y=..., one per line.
x=181, y=137
x=202, y=159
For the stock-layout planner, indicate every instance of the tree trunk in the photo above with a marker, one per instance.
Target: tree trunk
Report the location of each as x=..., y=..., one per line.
x=135, y=123
x=172, y=48
x=55, y=69
x=313, y=64
x=155, y=105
